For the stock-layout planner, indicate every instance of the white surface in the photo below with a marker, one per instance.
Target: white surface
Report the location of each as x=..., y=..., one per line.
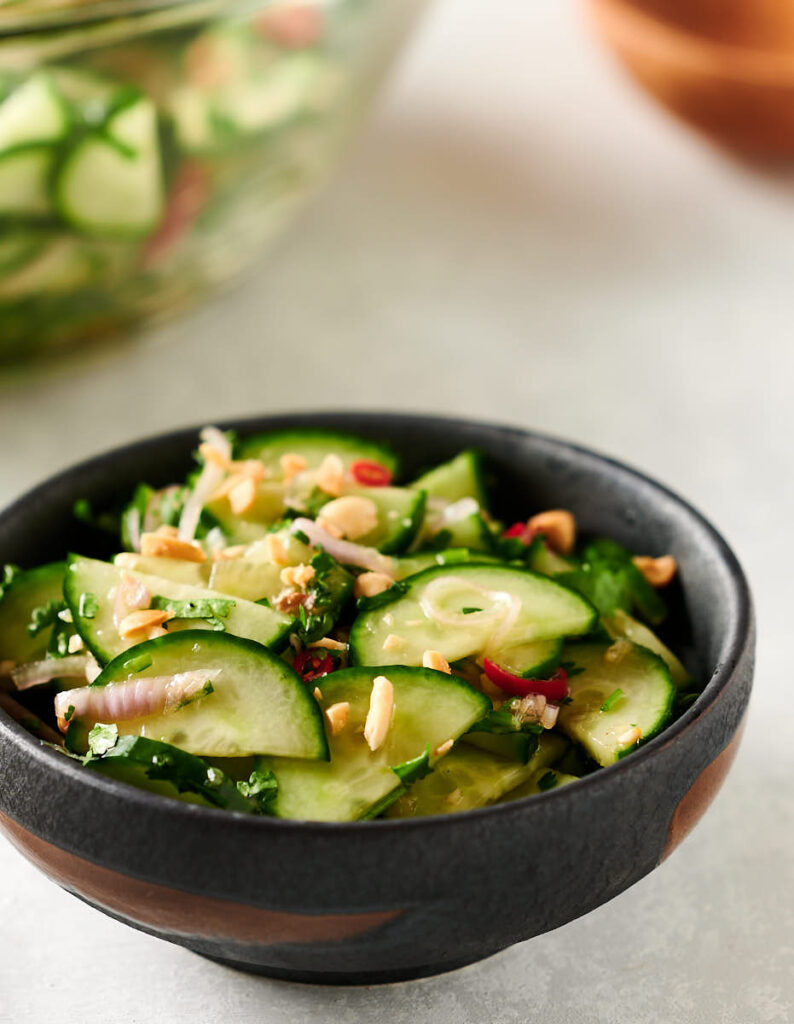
x=519, y=236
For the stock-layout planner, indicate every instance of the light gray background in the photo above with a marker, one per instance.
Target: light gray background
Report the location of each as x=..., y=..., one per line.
x=518, y=236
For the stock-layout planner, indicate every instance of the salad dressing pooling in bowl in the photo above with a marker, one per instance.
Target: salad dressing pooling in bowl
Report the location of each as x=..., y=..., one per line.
x=292, y=632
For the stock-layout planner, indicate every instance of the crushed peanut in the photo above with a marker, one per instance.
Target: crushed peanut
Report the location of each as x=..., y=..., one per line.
x=630, y=737
x=291, y=464
x=368, y=584
x=65, y=615
x=242, y=497
x=330, y=528
x=74, y=646
x=443, y=748
x=167, y=531
x=337, y=715
x=210, y=453
x=393, y=642
x=548, y=718
x=318, y=693
x=297, y=576
x=353, y=514
x=157, y=545
x=558, y=526
x=252, y=469
x=228, y=554
x=331, y=475
x=436, y=661
x=276, y=551
x=329, y=643
x=141, y=621
x=381, y=709
x=657, y=571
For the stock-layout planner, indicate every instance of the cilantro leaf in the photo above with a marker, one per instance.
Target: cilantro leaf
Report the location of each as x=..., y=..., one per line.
x=262, y=787
x=211, y=609
x=205, y=691
x=43, y=616
x=101, y=739
x=470, y=611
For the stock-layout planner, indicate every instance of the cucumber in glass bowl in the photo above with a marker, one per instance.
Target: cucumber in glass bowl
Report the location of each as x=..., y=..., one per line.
x=147, y=154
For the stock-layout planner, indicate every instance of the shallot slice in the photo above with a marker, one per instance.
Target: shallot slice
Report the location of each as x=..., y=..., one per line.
x=343, y=550
x=36, y=672
x=132, y=698
x=209, y=480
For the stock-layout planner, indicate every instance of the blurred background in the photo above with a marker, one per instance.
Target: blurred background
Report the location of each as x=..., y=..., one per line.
x=519, y=234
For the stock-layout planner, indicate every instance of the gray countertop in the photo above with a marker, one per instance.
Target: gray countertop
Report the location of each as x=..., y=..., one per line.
x=518, y=236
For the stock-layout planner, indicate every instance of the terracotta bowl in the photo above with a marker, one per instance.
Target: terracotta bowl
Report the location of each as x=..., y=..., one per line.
x=388, y=900
x=724, y=66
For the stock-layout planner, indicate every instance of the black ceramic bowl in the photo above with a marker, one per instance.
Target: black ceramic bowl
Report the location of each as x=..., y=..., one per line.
x=388, y=900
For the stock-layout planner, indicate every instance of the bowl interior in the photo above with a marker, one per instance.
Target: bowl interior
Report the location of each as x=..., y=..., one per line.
x=757, y=24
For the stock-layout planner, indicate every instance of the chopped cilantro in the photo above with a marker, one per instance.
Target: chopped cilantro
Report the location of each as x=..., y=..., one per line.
x=470, y=611
x=264, y=602
x=211, y=609
x=69, y=713
x=205, y=691
x=261, y=786
x=322, y=563
x=301, y=536
x=43, y=616
x=304, y=618
x=614, y=698
x=88, y=605
x=100, y=740
x=547, y=781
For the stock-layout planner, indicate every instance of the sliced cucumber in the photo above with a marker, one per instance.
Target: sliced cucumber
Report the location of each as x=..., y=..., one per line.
x=621, y=624
x=540, y=781
x=313, y=446
x=34, y=112
x=514, y=746
x=258, y=705
x=197, y=574
x=477, y=610
x=24, y=591
x=400, y=513
x=468, y=778
x=267, y=509
x=168, y=770
x=461, y=477
x=60, y=266
x=540, y=558
x=110, y=183
x=470, y=531
x=94, y=615
x=410, y=565
x=24, y=175
x=18, y=248
x=645, y=703
x=429, y=708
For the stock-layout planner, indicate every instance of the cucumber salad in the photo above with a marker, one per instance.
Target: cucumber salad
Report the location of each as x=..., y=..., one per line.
x=298, y=631
x=147, y=157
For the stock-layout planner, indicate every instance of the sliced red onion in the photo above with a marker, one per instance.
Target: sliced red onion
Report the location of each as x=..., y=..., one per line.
x=133, y=698
x=36, y=672
x=343, y=550
x=209, y=479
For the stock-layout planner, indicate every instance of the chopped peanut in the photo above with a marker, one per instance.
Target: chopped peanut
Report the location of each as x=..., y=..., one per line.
x=75, y=645
x=132, y=595
x=548, y=718
x=329, y=643
x=213, y=455
x=297, y=576
x=330, y=528
x=354, y=515
x=331, y=475
x=242, y=497
x=166, y=531
x=381, y=709
x=228, y=554
x=291, y=464
x=393, y=642
x=154, y=545
x=436, y=661
x=318, y=693
x=252, y=469
x=558, y=526
x=337, y=715
x=141, y=621
x=443, y=748
x=224, y=490
x=368, y=584
x=126, y=560
x=657, y=571
x=630, y=737
x=276, y=551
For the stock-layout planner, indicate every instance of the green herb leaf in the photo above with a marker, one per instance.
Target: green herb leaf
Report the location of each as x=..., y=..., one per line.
x=101, y=739
x=211, y=609
x=262, y=787
x=301, y=536
x=614, y=698
x=470, y=611
x=43, y=616
x=69, y=713
x=88, y=605
x=205, y=691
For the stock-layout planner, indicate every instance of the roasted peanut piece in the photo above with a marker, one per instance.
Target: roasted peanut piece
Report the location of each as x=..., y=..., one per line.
x=393, y=642
x=276, y=551
x=657, y=571
x=558, y=526
x=331, y=475
x=353, y=514
x=242, y=497
x=156, y=545
x=436, y=661
x=443, y=748
x=337, y=715
x=368, y=584
x=299, y=576
x=630, y=737
x=291, y=464
x=142, y=621
x=381, y=708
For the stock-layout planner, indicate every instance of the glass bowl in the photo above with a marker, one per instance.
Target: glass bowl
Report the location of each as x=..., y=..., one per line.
x=149, y=151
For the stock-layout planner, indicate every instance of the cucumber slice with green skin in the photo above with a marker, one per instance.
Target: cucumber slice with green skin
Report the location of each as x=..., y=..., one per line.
x=268, y=508
x=313, y=446
x=491, y=595
x=472, y=532
x=400, y=514
x=429, y=708
x=410, y=565
x=168, y=770
x=33, y=112
x=24, y=591
x=197, y=574
x=468, y=778
x=514, y=746
x=540, y=558
x=258, y=705
x=622, y=624
x=24, y=177
x=461, y=477
x=110, y=183
x=646, y=703
x=541, y=781
x=93, y=619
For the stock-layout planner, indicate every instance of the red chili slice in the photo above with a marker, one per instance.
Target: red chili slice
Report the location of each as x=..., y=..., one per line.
x=521, y=531
x=311, y=666
x=555, y=688
x=370, y=474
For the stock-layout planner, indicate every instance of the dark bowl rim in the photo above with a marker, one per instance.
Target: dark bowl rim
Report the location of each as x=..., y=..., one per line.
x=734, y=645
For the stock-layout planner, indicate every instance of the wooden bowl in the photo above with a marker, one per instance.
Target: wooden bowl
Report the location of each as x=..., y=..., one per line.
x=724, y=66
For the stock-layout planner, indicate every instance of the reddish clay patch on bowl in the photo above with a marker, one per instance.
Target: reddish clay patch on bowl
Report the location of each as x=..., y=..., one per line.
x=174, y=912
x=695, y=801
